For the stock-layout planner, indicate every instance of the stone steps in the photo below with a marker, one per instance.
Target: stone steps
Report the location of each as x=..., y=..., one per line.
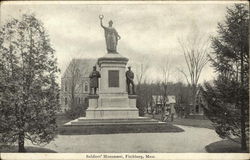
x=108, y=123
x=116, y=119
x=96, y=122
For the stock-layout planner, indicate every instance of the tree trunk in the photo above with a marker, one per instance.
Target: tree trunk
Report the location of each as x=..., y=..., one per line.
x=242, y=107
x=21, y=142
x=242, y=110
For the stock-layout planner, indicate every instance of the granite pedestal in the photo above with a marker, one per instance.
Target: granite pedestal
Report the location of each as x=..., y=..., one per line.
x=113, y=100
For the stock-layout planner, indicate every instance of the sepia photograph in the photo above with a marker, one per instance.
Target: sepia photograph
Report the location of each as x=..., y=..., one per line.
x=124, y=79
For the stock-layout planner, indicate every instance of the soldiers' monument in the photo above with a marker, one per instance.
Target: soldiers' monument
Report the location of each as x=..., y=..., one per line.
x=111, y=101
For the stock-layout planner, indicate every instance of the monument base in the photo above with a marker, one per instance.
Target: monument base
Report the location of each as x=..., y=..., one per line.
x=84, y=121
x=85, y=126
x=112, y=107
x=112, y=113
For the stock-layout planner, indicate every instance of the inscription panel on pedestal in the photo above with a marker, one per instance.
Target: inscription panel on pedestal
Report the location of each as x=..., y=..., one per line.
x=113, y=78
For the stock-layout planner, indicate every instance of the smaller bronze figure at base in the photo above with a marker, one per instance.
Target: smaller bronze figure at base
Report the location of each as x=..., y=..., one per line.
x=94, y=75
x=130, y=80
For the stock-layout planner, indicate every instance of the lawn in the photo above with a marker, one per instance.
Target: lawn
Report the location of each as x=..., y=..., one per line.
x=224, y=146
x=62, y=119
x=201, y=123
x=29, y=149
x=118, y=128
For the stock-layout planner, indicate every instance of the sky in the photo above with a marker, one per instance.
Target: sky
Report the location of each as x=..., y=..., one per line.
x=149, y=31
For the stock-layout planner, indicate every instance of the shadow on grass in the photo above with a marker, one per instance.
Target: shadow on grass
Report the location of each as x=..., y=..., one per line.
x=118, y=128
x=61, y=119
x=29, y=149
x=224, y=146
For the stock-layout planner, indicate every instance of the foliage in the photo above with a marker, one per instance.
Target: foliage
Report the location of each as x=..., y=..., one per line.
x=222, y=109
x=29, y=92
x=77, y=110
x=73, y=80
x=74, y=112
x=228, y=97
x=144, y=98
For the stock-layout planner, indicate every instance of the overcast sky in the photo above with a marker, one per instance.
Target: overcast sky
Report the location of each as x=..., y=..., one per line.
x=149, y=33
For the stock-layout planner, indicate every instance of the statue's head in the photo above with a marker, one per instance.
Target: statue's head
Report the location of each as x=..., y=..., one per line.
x=94, y=68
x=110, y=23
x=129, y=68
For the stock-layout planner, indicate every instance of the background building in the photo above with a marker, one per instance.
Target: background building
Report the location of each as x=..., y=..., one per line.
x=75, y=82
x=198, y=109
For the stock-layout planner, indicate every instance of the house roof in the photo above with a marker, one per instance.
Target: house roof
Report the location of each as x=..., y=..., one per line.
x=84, y=65
x=159, y=99
x=171, y=99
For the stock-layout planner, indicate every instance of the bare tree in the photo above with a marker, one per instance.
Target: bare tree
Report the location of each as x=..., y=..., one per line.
x=195, y=52
x=74, y=77
x=165, y=70
x=75, y=72
x=142, y=100
x=140, y=73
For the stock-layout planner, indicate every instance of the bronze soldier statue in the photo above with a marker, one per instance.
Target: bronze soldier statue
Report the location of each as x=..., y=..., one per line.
x=111, y=36
x=130, y=80
x=94, y=75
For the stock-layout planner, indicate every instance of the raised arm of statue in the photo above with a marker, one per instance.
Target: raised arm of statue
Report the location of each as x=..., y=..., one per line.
x=102, y=24
x=101, y=17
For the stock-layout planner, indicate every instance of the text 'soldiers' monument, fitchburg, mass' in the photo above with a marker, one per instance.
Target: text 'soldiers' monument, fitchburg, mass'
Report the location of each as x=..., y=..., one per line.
x=112, y=96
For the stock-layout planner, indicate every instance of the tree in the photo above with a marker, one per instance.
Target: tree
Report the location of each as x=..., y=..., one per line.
x=140, y=75
x=228, y=98
x=73, y=81
x=195, y=51
x=165, y=69
x=28, y=88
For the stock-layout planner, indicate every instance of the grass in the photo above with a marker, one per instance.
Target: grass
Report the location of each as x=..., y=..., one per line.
x=118, y=128
x=224, y=146
x=62, y=119
x=29, y=149
x=201, y=123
